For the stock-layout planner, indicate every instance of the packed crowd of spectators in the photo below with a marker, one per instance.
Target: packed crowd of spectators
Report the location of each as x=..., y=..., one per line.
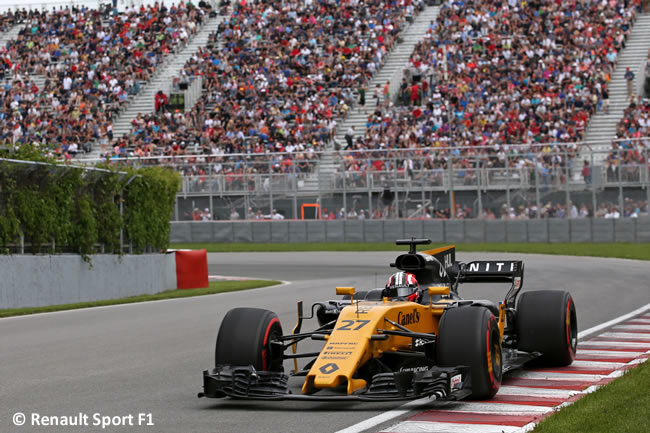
x=9, y=19
x=278, y=75
x=630, y=149
x=92, y=63
x=493, y=72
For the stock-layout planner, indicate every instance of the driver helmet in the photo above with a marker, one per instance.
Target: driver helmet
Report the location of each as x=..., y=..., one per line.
x=403, y=286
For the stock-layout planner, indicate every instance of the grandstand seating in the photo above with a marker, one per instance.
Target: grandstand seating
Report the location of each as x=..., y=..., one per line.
x=630, y=149
x=493, y=73
x=92, y=64
x=285, y=71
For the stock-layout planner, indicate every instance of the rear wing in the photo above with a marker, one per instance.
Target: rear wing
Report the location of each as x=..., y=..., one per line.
x=491, y=271
x=495, y=271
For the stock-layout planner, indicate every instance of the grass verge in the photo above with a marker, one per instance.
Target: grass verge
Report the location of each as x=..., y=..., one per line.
x=215, y=287
x=639, y=251
x=622, y=406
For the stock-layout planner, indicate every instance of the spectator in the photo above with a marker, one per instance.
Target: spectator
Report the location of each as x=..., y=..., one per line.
x=586, y=173
x=629, y=77
x=161, y=101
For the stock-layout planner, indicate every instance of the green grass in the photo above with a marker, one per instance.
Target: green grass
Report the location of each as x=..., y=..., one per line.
x=215, y=287
x=622, y=406
x=640, y=251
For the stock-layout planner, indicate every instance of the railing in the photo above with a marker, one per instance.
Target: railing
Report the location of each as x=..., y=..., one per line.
x=394, y=191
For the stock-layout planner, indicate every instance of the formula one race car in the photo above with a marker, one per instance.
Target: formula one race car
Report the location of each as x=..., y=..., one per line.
x=380, y=347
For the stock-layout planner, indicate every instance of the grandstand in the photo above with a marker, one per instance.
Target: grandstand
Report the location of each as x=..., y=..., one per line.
x=465, y=100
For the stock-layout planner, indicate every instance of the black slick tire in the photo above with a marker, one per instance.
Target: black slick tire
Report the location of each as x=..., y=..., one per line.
x=244, y=337
x=547, y=323
x=470, y=336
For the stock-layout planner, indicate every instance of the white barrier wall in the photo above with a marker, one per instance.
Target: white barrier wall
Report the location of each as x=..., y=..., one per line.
x=34, y=281
x=545, y=230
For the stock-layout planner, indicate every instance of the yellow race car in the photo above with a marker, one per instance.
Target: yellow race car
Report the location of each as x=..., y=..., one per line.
x=399, y=342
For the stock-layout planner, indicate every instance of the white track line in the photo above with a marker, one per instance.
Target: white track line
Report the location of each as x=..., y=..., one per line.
x=536, y=392
x=626, y=335
x=609, y=353
x=593, y=388
x=613, y=344
x=645, y=328
x=387, y=416
x=524, y=374
x=597, y=364
x=591, y=331
x=642, y=320
x=448, y=427
x=494, y=408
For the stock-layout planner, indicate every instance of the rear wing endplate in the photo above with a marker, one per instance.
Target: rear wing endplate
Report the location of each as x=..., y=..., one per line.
x=495, y=271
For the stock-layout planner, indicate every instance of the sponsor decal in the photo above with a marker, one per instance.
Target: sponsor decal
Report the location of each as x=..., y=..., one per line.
x=415, y=369
x=506, y=267
x=447, y=260
x=456, y=380
x=417, y=342
x=329, y=368
x=352, y=325
x=408, y=318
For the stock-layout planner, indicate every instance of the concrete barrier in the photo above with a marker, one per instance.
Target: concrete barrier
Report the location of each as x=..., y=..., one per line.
x=36, y=281
x=439, y=231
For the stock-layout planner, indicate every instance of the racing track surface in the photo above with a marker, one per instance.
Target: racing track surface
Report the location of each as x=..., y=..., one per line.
x=148, y=358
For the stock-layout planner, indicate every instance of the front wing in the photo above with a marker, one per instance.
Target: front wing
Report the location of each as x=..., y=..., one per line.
x=247, y=383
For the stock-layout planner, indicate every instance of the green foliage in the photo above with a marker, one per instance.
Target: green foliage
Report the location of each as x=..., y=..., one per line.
x=59, y=208
x=149, y=201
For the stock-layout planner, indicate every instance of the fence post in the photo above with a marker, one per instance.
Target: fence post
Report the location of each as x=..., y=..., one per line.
x=121, y=226
x=537, y=198
x=345, y=190
x=567, y=174
x=647, y=176
x=22, y=244
x=295, y=192
x=478, y=186
x=508, y=179
x=450, y=172
x=593, y=187
x=620, y=181
x=395, y=204
x=270, y=187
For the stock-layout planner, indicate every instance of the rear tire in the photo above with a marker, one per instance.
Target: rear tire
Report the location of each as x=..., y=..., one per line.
x=547, y=323
x=470, y=336
x=244, y=337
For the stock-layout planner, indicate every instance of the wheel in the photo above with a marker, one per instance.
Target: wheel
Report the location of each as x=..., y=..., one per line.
x=470, y=336
x=244, y=337
x=547, y=323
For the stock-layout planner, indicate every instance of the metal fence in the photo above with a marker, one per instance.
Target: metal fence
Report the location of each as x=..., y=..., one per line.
x=511, y=182
x=408, y=186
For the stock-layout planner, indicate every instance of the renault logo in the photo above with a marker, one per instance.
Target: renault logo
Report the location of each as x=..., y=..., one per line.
x=329, y=368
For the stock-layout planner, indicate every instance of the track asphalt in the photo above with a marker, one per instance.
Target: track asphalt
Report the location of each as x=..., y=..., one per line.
x=147, y=358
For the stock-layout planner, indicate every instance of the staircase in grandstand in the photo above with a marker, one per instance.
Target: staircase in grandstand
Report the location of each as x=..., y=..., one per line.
x=602, y=126
x=392, y=71
x=10, y=34
x=144, y=101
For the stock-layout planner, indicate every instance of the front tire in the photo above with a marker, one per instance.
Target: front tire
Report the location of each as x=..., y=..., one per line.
x=244, y=337
x=470, y=336
x=547, y=323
